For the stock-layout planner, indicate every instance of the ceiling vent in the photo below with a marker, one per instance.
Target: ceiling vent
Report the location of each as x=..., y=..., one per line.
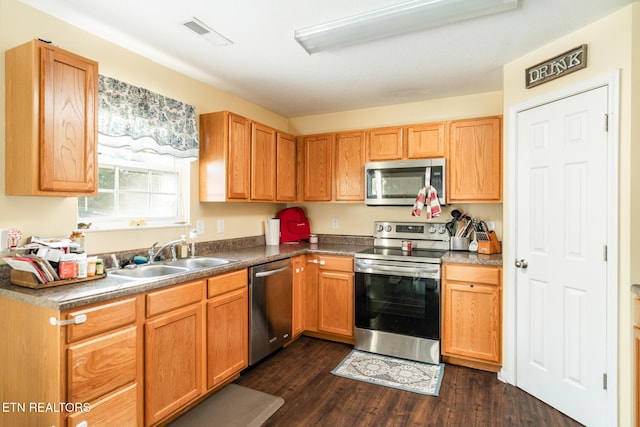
x=202, y=29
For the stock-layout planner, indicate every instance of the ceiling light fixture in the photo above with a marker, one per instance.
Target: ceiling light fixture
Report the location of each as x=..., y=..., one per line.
x=208, y=33
x=394, y=20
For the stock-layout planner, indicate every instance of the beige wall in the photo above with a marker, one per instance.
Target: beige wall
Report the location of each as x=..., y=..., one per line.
x=55, y=216
x=609, y=43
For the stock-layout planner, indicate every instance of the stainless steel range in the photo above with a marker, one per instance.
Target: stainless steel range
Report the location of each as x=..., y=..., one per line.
x=397, y=291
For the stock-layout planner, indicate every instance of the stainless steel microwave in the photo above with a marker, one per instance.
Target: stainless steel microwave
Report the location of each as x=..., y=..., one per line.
x=397, y=183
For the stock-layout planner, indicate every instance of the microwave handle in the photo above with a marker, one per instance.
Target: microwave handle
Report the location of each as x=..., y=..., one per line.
x=427, y=177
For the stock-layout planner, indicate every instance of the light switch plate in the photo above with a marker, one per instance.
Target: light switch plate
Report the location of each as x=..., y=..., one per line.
x=221, y=226
x=200, y=226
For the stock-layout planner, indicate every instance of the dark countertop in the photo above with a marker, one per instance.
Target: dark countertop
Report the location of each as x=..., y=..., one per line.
x=112, y=287
x=463, y=257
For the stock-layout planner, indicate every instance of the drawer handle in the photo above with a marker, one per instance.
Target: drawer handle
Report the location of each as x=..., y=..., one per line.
x=81, y=318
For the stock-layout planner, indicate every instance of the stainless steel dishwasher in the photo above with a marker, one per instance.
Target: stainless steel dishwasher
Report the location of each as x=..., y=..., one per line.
x=270, y=302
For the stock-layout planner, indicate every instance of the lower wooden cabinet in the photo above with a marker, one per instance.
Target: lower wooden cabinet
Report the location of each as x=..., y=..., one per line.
x=117, y=409
x=636, y=345
x=472, y=316
x=298, y=264
x=329, y=296
x=227, y=326
x=173, y=360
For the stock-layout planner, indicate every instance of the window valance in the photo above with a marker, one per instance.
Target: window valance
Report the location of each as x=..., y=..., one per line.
x=130, y=116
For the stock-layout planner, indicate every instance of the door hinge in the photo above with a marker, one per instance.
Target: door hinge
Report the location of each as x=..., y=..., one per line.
x=606, y=123
x=604, y=381
x=604, y=253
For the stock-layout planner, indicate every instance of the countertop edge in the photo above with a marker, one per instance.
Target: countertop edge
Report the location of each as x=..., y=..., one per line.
x=110, y=288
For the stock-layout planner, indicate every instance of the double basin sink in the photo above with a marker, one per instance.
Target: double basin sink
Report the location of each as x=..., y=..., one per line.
x=169, y=268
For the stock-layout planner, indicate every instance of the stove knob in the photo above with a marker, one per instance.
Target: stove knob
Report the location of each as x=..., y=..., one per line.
x=442, y=229
x=379, y=228
x=387, y=229
x=432, y=229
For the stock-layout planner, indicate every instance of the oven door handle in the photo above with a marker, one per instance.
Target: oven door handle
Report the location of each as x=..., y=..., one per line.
x=423, y=272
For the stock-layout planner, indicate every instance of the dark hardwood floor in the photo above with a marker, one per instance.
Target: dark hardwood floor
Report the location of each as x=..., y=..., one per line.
x=301, y=375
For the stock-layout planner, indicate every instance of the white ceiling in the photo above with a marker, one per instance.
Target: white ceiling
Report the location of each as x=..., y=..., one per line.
x=267, y=67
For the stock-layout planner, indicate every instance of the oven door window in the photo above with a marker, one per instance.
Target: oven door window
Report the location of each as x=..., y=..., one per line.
x=398, y=304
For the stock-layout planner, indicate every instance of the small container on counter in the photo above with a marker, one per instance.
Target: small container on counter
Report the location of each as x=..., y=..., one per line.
x=91, y=266
x=99, y=267
x=313, y=238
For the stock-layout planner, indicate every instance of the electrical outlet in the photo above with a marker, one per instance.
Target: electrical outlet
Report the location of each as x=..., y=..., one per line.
x=221, y=226
x=335, y=223
x=200, y=226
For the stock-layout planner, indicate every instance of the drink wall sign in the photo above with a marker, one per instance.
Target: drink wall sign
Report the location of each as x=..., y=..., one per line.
x=561, y=65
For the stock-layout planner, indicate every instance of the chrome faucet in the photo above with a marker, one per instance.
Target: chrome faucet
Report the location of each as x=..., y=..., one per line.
x=172, y=244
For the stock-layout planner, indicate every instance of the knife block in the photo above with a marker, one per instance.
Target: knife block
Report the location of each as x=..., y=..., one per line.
x=491, y=246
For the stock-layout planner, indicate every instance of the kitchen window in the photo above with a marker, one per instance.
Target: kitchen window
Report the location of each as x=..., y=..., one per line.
x=134, y=189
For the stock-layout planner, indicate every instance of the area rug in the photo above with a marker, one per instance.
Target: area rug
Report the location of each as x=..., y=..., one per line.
x=233, y=406
x=423, y=378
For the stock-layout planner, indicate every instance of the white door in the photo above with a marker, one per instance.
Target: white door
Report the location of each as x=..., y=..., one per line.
x=561, y=251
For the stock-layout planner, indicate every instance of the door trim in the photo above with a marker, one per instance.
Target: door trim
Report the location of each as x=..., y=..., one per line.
x=508, y=373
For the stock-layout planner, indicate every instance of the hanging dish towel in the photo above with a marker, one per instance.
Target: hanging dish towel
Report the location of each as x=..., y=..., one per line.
x=427, y=197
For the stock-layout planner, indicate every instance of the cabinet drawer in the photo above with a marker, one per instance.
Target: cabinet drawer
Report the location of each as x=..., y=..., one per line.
x=472, y=273
x=100, y=366
x=178, y=296
x=226, y=282
x=117, y=409
x=102, y=318
x=335, y=263
x=636, y=311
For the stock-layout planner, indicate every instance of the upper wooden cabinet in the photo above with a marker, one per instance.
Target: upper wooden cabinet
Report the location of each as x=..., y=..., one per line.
x=286, y=167
x=263, y=162
x=317, y=174
x=474, y=170
x=349, y=166
x=51, y=122
x=425, y=141
x=225, y=155
x=385, y=144
x=243, y=160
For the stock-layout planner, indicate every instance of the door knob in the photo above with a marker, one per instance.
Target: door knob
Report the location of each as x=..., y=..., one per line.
x=521, y=263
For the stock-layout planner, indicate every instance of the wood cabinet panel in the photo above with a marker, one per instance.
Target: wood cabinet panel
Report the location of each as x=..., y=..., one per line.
x=335, y=299
x=318, y=172
x=335, y=263
x=474, y=171
x=385, y=144
x=117, y=409
x=51, y=127
x=425, y=141
x=310, y=292
x=263, y=162
x=178, y=296
x=227, y=336
x=102, y=365
x=349, y=166
x=473, y=273
x=227, y=282
x=297, y=295
x=173, y=361
x=286, y=165
x=636, y=361
x=472, y=315
x=239, y=158
x=102, y=318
